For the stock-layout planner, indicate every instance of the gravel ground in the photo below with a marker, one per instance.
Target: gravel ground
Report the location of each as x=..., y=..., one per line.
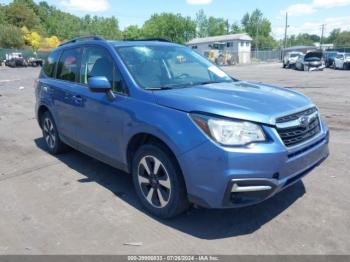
x=73, y=204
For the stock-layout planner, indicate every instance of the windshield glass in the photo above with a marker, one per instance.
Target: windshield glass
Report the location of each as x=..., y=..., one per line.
x=156, y=67
x=294, y=55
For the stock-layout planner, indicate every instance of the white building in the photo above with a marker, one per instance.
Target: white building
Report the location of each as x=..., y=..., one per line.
x=238, y=45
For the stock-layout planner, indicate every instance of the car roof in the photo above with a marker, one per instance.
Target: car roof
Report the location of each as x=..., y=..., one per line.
x=68, y=44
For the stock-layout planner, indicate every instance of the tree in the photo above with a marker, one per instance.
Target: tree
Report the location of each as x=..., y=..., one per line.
x=170, y=26
x=32, y=39
x=11, y=37
x=52, y=42
x=2, y=15
x=19, y=14
x=333, y=35
x=343, y=39
x=132, y=32
x=216, y=26
x=236, y=28
x=304, y=39
x=201, y=24
x=259, y=28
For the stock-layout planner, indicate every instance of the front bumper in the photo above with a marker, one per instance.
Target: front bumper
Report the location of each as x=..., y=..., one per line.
x=219, y=177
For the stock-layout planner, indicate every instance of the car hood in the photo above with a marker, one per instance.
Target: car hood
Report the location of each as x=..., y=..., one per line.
x=241, y=100
x=315, y=54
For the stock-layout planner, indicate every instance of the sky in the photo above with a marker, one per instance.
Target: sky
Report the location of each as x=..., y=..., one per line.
x=305, y=16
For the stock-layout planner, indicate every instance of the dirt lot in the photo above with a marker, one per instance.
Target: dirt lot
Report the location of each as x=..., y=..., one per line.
x=76, y=205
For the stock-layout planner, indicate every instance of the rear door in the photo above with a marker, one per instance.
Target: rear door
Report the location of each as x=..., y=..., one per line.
x=66, y=98
x=101, y=120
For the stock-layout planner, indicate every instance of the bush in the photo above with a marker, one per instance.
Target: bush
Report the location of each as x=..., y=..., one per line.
x=11, y=37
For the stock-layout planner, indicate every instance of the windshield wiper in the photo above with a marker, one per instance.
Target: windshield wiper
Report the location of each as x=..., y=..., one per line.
x=213, y=82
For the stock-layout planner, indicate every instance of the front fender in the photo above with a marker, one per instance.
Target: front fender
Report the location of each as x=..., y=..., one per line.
x=173, y=127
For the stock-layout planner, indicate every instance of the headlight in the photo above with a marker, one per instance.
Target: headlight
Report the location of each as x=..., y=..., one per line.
x=229, y=132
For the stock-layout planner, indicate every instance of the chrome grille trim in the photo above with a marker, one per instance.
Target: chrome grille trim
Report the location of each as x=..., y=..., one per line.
x=298, y=127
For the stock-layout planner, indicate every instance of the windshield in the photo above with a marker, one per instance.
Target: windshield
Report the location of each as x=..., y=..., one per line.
x=294, y=55
x=158, y=67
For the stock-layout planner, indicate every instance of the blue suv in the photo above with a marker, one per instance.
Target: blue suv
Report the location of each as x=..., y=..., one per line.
x=185, y=130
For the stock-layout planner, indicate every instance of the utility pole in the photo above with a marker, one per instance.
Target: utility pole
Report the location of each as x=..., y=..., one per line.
x=257, y=39
x=322, y=34
x=227, y=27
x=285, y=32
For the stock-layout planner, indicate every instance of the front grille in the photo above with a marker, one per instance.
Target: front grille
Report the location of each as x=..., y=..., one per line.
x=297, y=134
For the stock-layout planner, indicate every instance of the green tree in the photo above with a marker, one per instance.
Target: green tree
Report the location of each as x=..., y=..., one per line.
x=304, y=39
x=132, y=32
x=333, y=35
x=259, y=28
x=343, y=39
x=2, y=15
x=216, y=26
x=11, y=37
x=19, y=14
x=170, y=26
x=236, y=28
x=201, y=24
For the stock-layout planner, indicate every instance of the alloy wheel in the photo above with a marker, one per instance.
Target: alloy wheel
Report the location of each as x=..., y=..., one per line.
x=154, y=181
x=49, y=133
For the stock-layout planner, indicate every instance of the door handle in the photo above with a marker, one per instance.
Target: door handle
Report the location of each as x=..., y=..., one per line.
x=78, y=99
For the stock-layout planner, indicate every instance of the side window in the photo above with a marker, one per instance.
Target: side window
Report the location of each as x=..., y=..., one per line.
x=68, y=65
x=96, y=61
x=50, y=64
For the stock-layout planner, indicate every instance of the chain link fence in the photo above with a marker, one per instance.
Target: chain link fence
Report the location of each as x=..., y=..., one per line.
x=25, y=52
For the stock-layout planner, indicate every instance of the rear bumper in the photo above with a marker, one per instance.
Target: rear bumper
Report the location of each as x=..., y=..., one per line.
x=218, y=177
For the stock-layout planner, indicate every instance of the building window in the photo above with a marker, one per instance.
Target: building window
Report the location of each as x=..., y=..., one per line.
x=194, y=47
x=242, y=43
x=229, y=44
x=247, y=43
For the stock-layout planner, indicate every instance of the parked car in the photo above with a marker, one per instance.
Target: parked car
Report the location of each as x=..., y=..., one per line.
x=34, y=62
x=342, y=61
x=310, y=61
x=290, y=59
x=15, y=60
x=329, y=58
x=185, y=130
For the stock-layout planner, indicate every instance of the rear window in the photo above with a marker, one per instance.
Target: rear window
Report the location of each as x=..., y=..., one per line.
x=50, y=64
x=68, y=65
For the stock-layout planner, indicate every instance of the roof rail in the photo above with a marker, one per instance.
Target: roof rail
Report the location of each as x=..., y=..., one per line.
x=83, y=38
x=149, y=39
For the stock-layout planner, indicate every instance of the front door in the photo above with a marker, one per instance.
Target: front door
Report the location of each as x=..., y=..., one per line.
x=101, y=120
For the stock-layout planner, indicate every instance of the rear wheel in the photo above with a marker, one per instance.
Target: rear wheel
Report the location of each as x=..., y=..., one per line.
x=50, y=135
x=158, y=181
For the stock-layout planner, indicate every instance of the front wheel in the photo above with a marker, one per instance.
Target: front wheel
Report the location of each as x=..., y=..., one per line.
x=158, y=181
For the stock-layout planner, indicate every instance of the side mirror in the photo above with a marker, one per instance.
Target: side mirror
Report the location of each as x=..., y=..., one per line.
x=99, y=84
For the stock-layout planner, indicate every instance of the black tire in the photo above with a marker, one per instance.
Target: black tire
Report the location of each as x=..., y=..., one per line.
x=167, y=181
x=51, y=136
